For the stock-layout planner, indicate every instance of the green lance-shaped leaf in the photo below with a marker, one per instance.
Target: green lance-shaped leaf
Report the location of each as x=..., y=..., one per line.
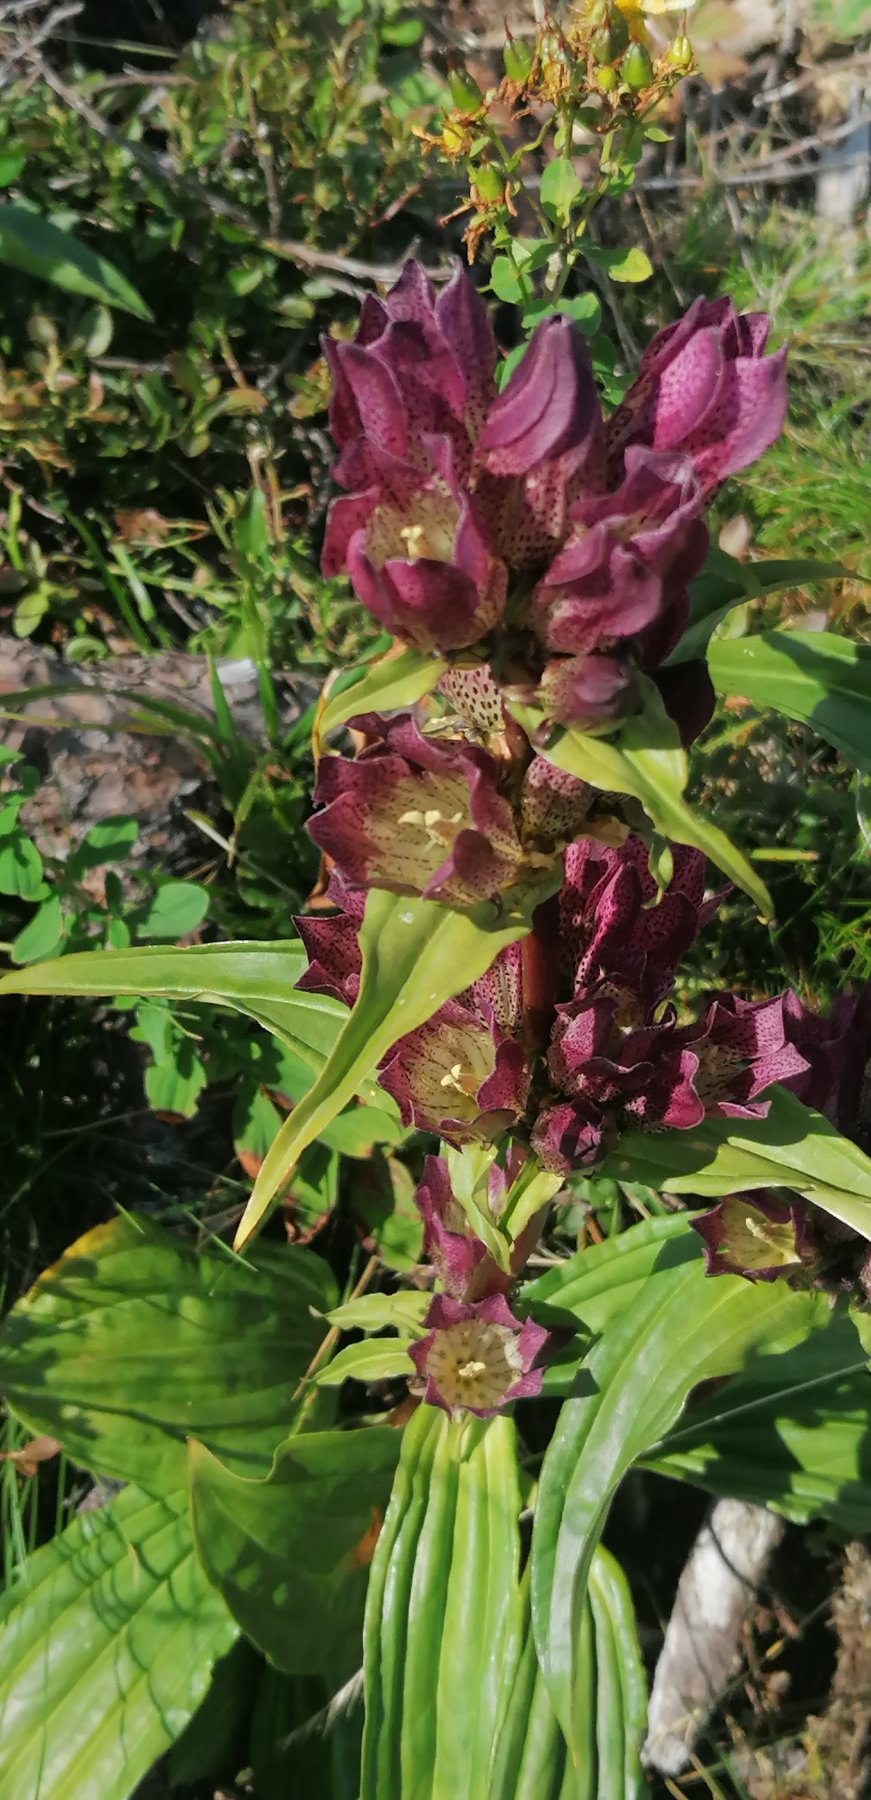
x=532, y=1761
x=251, y=978
x=416, y=955
x=790, y=1432
x=106, y=1651
x=684, y=1328
x=725, y=582
x=37, y=247
x=386, y=686
x=647, y=763
x=288, y=1554
x=819, y=679
x=135, y=1340
x=793, y=1147
x=443, y=1614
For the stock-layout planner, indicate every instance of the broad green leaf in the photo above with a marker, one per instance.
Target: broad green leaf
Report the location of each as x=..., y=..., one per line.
x=416, y=955
x=531, y=1755
x=21, y=868
x=36, y=247
x=252, y=978
x=378, y=1359
x=177, y=908
x=443, y=1613
x=790, y=1432
x=819, y=679
x=378, y=1312
x=106, y=1651
x=629, y=264
x=286, y=1553
x=725, y=582
x=390, y=684
x=135, y=1341
x=684, y=1328
x=793, y=1147
x=648, y=764
x=42, y=934
x=600, y=1282
x=560, y=187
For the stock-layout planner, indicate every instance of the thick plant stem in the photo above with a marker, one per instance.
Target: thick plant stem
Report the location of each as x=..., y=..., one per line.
x=540, y=974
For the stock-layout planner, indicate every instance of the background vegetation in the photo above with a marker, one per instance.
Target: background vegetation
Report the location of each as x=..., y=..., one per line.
x=165, y=476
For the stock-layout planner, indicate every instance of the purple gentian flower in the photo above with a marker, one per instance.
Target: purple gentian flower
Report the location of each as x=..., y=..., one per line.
x=476, y=1356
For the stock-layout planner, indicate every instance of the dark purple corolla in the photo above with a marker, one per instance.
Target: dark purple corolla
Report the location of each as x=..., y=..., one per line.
x=706, y=389
x=476, y=1356
x=417, y=815
x=463, y=501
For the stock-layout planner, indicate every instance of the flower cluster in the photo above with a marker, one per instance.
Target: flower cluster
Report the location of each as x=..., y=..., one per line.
x=544, y=553
x=466, y=506
x=618, y=1054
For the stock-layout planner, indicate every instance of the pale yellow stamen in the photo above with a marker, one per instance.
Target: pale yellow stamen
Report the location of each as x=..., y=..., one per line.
x=471, y=1370
x=437, y=827
x=454, y=1077
x=413, y=538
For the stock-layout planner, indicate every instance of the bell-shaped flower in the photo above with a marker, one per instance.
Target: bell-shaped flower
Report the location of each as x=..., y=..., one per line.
x=461, y=1262
x=418, y=558
x=741, y=1048
x=546, y=429
x=754, y=1235
x=476, y=1356
x=458, y=1075
x=626, y=562
x=705, y=388
x=417, y=815
x=615, y=923
x=588, y=691
x=568, y=1135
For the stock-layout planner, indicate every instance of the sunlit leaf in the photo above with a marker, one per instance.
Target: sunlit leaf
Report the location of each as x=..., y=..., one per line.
x=106, y=1651
x=791, y=1432
x=386, y=686
x=683, y=1328
x=532, y=1760
x=793, y=1147
x=819, y=679
x=725, y=582
x=136, y=1340
x=647, y=763
x=252, y=978
x=443, y=1614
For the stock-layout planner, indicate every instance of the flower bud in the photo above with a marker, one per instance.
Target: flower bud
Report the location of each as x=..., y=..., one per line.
x=517, y=60
x=465, y=92
x=680, y=53
x=636, y=68
x=606, y=79
x=604, y=48
x=488, y=185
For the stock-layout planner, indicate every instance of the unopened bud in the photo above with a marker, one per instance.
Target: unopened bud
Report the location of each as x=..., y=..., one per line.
x=606, y=79
x=636, y=68
x=604, y=48
x=680, y=53
x=488, y=184
x=465, y=92
x=517, y=61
